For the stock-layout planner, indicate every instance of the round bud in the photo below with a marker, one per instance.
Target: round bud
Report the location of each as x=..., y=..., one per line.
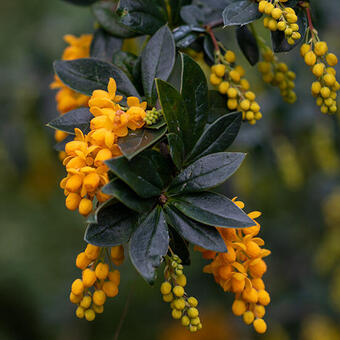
x=238, y=307
x=219, y=70
x=80, y=312
x=102, y=270
x=72, y=201
x=176, y=314
x=260, y=326
x=185, y=321
x=89, y=277
x=331, y=59
x=214, y=80
x=223, y=87
x=192, y=301
x=165, y=287
x=230, y=56
x=178, y=291
x=192, y=312
x=320, y=48
x=77, y=287
x=248, y=317
x=276, y=13
x=90, y=315
x=99, y=297
x=86, y=302
x=310, y=58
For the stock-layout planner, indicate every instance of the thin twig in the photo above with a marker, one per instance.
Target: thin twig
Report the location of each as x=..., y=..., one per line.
x=123, y=317
x=212, y=35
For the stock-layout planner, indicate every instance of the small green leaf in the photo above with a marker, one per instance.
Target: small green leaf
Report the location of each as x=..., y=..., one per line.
x=175, y=113
x=179, y=246
x=109, y=20
x=195, y=95
x=194, y=232
x=149, y=243
x=78, y=118
x=139, y=174
x=176, y=149
x=217, y=137
x=158, y=58
x=88, y=74
x=279, y=40
x=248, y=44
x=127, y=196
x=240, y=12
x=138, y=140
x=115, y=226
x=104, y=45
x=212, y=209
x=143, y=16
x=206, y=173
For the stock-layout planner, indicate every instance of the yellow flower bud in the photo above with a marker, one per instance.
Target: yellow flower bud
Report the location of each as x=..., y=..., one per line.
x=110, y=289
x=166, y=288
x=318, y=69
x=80, y=312
x=281, y=26
x=176, y=314
x=223, y=87
x=85, y=206
x=325, y=92
x=260, y=326
x=329, y=79
x=102, y=270
x=77, y=287
x=114, y=277
x=181, y=280
x=248, y=317
x=245, y=104
x=234, y=76
x=276, y=13
x=214, y=80
x=75, y=298
x=60, y=135
x=178, y=291
x=230, y=56
x=232, y=92
x=262, y=6
x=82, y=261
x=89, y=277
x=98, y=309
x=331, y=59
x=168, y=297
x=316, y=87
x=238, y=307
x=192, y=301
x=219, y=70
x=192, y=312
x=72, y=201
x=185, y=321
x=99, y=297
x=259, y=311
x=263, y=297
x=92, y=252
x=320, y=48
x=86, y=302
x=304, y=49
x=91, y=181
x=90, y=315
x=232, y=104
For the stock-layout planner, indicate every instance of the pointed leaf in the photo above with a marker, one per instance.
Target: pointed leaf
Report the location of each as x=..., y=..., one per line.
x=248, y=44
x=206, y=173
x=158, y=58
x=140, y=173
x=104, y=45
x=217, y=137
x=78, y=118
x=196, y=233
x=149, y=243
x=195, y=95
x=88, y=74
x=114, y=227
x=138, y=140
x=240, y=12
x=176, y=149
x=127, y=196
x=212, y=209
x=109, y=20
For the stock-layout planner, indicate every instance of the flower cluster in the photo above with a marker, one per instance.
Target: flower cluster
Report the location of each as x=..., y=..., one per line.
x=66, y=98
x=85, y=155
x=281, y=18
x=172, y=289
x=229, y=79
x=322, y=63
x=97, y=283
x=240, y=271
x=152, y=116
x=277, y=74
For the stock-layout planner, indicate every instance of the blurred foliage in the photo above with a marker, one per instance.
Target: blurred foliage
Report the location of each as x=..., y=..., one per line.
x=39, y=238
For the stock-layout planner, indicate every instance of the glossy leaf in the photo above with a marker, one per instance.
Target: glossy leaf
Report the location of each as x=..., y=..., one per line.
x=149, y=243
x=175, y=113
x=176, y=6
x=176, y=76
x=194, y=232
x=88, y=74
x=217, y=107
x=176, y=149
x=143, y=16
x=115, y=226
x=79, y=118
x=109, y=20
x=195, y=95
x=279, y=41
x=212, y=209
x=138, y=140
x=140, y=173
x=126, y=62
x=127, y=196
x=248, y=44
x=217, y=137
x=206, y=173
x=240, y=12
x=104, y=45
x=158, y=58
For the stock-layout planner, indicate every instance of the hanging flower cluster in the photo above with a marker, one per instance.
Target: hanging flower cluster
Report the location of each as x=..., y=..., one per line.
x=230, y=80
x=85, y=155
x=240, y=271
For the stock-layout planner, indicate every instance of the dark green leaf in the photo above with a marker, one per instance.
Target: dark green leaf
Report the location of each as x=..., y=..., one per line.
x=176, y=6
x=93, y=217
x=212, y=209
x=240, y=12
x=149, y=243
x=115, y=226
x=194, y=232
x=218, y=136
x=140, y=173
x=79, y=118
x=176, y=149
x=127, y=196
x=179, y=246
x=279, y=41
x=206, y=173
x=176, y=76
x=158, y=58
x=88, y=74
x=104, y=45
x=81, y=2
x=143, y=16
x=109, y=20
x=217, y=107
x=126, y=62
x=209, y=49
x=195, y=94
x=200, y=14
x=248, y=44
x=183, y=31
x=187, y=40
x=175, y=113
x=138, y=140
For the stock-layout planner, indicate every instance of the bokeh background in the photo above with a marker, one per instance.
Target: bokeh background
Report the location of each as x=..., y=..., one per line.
x=291, y=174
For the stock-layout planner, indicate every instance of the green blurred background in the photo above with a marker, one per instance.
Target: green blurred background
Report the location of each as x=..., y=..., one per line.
x=291, y=174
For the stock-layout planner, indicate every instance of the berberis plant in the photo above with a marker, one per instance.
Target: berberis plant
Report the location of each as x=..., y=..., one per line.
x=143, y=140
